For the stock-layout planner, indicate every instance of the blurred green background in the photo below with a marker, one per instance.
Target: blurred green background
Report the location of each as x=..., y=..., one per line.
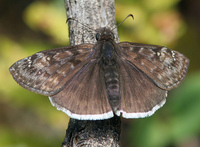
x=29, y=26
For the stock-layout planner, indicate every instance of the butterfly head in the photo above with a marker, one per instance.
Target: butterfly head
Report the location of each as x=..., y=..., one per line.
x=104, y=34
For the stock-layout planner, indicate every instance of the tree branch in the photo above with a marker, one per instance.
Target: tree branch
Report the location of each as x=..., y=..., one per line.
x=91, y=13
x=94, y=14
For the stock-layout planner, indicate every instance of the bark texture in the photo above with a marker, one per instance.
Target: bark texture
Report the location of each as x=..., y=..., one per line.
x=90, y=15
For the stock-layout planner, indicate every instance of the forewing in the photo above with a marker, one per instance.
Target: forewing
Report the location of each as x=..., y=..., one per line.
x=46, y=72
x=167, y=68
x=84, y=96
x=140, y=97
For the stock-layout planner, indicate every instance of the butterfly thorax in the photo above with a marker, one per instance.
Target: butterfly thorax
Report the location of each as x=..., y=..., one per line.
x=108, y=53
x=108, y=63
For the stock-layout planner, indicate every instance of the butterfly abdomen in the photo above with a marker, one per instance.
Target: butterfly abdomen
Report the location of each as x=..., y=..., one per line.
x=111, y=74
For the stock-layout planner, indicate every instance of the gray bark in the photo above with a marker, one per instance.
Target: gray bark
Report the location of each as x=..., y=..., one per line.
x=91, y=15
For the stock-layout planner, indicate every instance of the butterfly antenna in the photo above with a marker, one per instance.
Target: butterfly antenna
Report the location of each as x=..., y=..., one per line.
x=124, y=20
x=80, y=23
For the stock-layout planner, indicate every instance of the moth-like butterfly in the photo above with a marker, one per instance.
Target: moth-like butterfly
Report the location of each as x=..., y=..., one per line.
x=98, y=81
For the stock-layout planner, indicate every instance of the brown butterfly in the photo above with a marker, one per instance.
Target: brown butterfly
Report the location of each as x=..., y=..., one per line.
x=96, y=81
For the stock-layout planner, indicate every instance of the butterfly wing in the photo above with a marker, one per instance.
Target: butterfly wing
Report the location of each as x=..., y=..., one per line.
x=47, y=72
x=140, y=97
x=167, y=68
x=84, y=96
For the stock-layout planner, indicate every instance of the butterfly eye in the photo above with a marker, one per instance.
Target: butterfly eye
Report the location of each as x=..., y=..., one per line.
x=98, y=35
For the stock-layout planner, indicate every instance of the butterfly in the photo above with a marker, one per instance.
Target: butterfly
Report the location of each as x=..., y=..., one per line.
x=98, y=81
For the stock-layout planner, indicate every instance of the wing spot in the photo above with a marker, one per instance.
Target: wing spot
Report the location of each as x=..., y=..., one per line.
x=176, y=79
x=164, y=49
x=80, y=50
x=173, y=54
x=167, y=84
x=151, y=70
x=48, y=58
x=11, y=69
x=69, y=53
x=131, y=49
x=34, y=85
x=72, y=66
x=158, y=53
x=159, y=76
x=162, y=56
x=29, y=59
x=141, y=50
x=40, y=54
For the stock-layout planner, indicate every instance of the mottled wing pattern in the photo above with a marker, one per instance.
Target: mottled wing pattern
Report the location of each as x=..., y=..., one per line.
x=84, y=96
x=166, y=68
x=47, y=72
x=140, y=97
